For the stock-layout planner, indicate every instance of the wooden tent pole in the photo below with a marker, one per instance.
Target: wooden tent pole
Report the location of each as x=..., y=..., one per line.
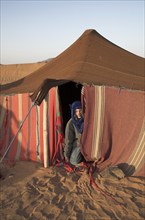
x=45, y=131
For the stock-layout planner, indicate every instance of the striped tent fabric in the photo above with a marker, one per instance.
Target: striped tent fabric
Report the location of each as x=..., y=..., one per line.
x=30, y=141
x=55, y=127
x=114, y=128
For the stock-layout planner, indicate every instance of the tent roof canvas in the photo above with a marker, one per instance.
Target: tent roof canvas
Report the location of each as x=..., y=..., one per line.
x=91, y=59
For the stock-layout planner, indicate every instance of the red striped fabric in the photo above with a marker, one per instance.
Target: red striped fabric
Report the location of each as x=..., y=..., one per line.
x=41, y=153
x=4, y=123
x=29, y=143
x=55, y=133
x=121, y=137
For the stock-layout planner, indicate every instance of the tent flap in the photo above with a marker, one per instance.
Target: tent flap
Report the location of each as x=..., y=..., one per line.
x=43, y=89
x=114, y=128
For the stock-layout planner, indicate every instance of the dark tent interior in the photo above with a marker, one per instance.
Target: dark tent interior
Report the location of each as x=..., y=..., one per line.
x=68, y=93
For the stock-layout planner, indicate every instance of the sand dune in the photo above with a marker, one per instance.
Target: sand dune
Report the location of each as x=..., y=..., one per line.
x=30, y=192
x=13, y=72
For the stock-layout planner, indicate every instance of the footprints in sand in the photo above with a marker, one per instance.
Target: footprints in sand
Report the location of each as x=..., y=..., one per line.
x=54, y=194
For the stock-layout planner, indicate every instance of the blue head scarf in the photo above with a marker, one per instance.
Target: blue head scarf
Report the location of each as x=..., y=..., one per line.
x=78, y=122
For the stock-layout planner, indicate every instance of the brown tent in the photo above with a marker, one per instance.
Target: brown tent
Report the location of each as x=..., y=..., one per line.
x=91, y=59
x=112, y=96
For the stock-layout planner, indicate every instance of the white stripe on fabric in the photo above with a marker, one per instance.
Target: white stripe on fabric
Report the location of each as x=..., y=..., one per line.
x=3, y=112
x=45, y=131
x=140, y=158
x=102, y=97
x=9, y=131
x=38, y=132
x=138, y=153
x=27, y=153
x=94, y=147
x=141, y=153
x=138, y=150
x=98, y=121
x=20, y=132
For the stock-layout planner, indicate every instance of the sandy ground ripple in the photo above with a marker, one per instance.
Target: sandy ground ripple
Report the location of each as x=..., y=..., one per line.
x=30, y=192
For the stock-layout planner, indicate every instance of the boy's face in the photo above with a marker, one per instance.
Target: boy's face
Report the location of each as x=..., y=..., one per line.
x=78, y=113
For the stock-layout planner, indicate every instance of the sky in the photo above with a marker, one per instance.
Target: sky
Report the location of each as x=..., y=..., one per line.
x=33, y=31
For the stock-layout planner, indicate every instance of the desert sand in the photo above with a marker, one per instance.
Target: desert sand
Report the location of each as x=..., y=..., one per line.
x=30, y=192
x=13, y=72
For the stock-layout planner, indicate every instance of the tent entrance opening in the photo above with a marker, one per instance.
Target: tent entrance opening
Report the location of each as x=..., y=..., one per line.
x=68, y=93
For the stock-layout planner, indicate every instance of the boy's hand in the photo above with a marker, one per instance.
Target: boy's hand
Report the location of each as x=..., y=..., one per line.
x=67, y=159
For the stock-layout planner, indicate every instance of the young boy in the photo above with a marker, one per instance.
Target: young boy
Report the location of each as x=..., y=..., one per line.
x=73, y=131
